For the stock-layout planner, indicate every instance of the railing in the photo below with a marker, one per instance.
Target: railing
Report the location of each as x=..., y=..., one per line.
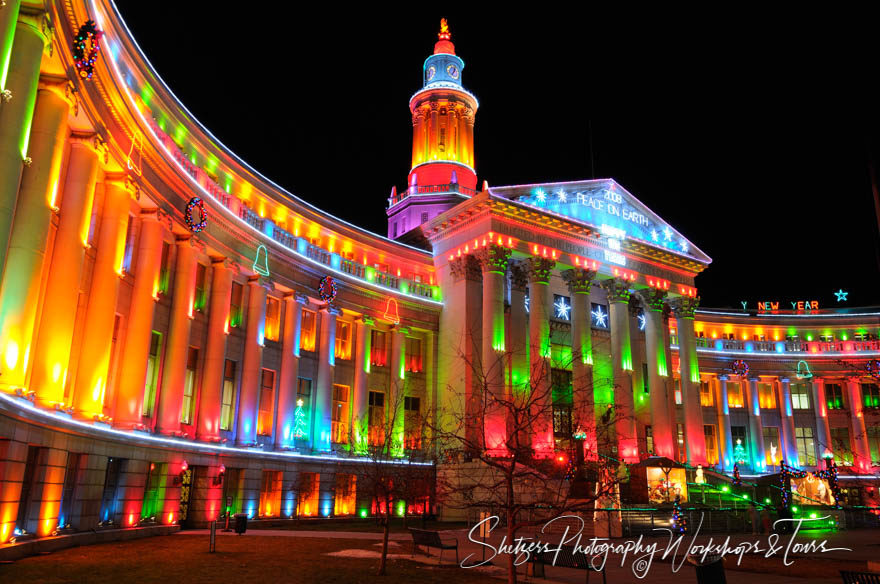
x=430, y=190
x=781, y=347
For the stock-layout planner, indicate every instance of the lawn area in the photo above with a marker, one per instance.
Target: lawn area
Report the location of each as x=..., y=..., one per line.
x=261, y=559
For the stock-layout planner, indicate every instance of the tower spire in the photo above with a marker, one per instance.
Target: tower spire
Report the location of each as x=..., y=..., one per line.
x=444, y=43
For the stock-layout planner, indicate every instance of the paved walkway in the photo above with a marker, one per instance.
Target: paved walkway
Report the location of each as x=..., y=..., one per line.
x=813, y=567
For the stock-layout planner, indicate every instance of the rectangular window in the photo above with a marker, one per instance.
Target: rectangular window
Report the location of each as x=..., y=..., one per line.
x=740, y=444
x=165, y=269
x=841, y=447
x=270, y=493
x=154, y=488
x=340, y=414
x=734, y=394
x=412, y=423
x=649, y=439
x=236, y=313
x=128, y=253
x=562, y=420
x=806, y=447
x=304, y=396
x=108, y=495
x=834, y=396
x=871, y=395
x=273, y=319
x=766, y=396
x=231, y=489
x=772, y=451
x=68, y=493
x=378, y=352
x=414, y=354
x=711, y=444
x=344, y=500
x=343, y=339
x=873, y=433
x=682, y=450
x=189, y=386
x=678, y=400
x=376, y=418
x=267, y=403
x=307, y=504
x=200, y=298
x=307, y=330
x=599, y=316
x=707, y=396
x=645, y=378
x=227, y=399
x=800, y=396
x=152, y=380
x=424, y=217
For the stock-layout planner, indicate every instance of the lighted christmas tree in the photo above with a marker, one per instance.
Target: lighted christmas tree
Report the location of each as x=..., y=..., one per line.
x=299, y=420
x=739, y=452
x=679, y=521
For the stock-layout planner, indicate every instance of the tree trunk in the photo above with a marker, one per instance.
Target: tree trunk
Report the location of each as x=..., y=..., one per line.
x=511, y=558
x=384, y=560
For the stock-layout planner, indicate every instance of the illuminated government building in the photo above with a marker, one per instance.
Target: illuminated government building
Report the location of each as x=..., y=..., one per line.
x=181, y=337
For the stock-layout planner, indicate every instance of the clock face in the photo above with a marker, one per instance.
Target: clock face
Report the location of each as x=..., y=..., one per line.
x=430, y=73
x=452, y=71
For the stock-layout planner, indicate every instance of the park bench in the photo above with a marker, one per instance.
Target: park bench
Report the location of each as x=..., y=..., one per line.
x=860, y=577
x=566, y=558
x=431, y=539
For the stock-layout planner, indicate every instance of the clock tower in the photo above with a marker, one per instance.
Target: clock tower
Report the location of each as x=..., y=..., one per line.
x=443, y=170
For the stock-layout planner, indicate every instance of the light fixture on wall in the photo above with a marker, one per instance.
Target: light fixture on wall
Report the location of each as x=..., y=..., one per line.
x=184, y=466
x=218, y=480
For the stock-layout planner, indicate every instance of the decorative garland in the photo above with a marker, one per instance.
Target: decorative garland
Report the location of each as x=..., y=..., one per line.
x=328, y=289
x=740, y=367
x=873, y=368
x=84, y=57
x=829, y=474
x=196, y=226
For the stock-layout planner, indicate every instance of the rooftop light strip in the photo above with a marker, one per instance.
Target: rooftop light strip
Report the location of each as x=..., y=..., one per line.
x=740, y=352
x=226, y=149
x=211, y=196
x=55, y=418
x=797, y=315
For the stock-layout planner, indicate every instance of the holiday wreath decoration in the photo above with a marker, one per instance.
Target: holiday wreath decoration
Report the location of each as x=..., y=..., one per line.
x=196, y=225
x=328, y=288
x=740, y=367
x=86, y=48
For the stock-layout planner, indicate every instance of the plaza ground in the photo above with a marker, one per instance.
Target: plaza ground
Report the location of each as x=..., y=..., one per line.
x=303, y=555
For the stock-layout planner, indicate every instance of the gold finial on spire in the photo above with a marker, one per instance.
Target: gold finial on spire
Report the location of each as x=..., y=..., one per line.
x=444, y=34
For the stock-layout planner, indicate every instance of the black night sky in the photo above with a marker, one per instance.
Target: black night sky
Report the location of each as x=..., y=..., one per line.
x=750, y=133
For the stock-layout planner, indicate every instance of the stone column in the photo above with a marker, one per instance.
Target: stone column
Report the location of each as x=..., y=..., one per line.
x=211, y=394
x=726, y=454
x=252, y=363
x=787, y=421
x=469, y=138
x=130, y=391
x=433, y=128
x=22, y=277
x=862, y=458
x=579, y=283
x=430, y=392
x=517, y=342
x=324, y=387
x=451, y=152
x=8, y=18
x=55, y=334
x=684, y=309
x=14, y=455
x=621, y=360
x=493, y=259
x=662, y=417
x=94, y=359
x=288, y=381
x=756, y=426
x=823, y=429
x=397, y=387
x=17, y=111
x=541, y=399
x=360, y=391
x=418, y=121
x=177, y=343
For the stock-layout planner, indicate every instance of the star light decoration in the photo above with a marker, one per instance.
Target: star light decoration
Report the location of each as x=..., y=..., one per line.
x=684, y=246
x=841, y=295
x=643, y=321
x=561, y=196
x=600, y=317
x=541, y=196
x=667, y=234
x=654, y=235
x=563, y=308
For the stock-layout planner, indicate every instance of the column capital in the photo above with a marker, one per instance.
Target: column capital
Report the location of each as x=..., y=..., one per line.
x=579, y=280
x=300, y=298
x=465, y=267
x=652, y=299
x=723, y=377
x=366, y=320
x=222, y=263
x=540, y=270
x=493, y=258
x=617, y=290
x=331, y=309
x=519, y=275
x=784, y=380
x=261, y=281
x=684, y=306
x=400, y=329
x=38, y=19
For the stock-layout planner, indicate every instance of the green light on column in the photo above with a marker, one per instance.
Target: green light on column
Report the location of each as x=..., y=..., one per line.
x=179, y=134
x=363, y=513
x=146, y=93
x=404, y=287
x=370, y=274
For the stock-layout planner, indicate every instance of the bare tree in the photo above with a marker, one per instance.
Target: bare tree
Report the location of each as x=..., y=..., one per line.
x=522, y=477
